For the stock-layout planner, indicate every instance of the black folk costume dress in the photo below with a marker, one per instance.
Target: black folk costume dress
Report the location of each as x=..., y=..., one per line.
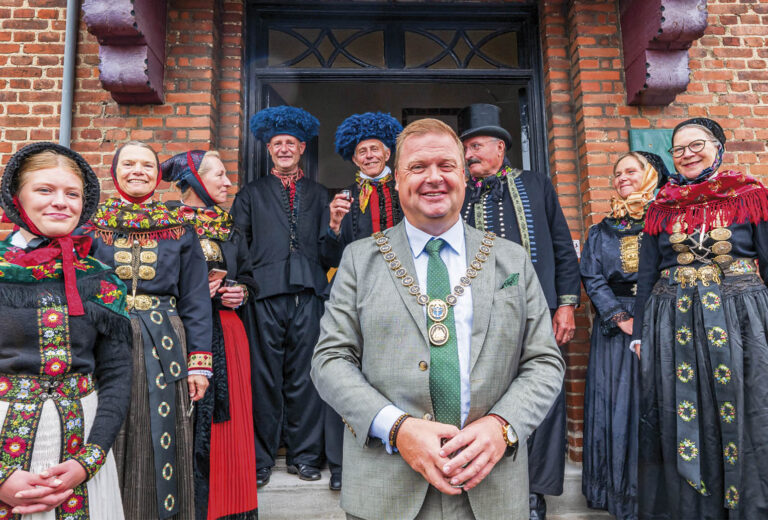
x=282, y=224
x=609, y=267
x=522, y=206
x=161, y=261
x=225, y=461
x=63, y=379
x=701, y=306
x=375, y=207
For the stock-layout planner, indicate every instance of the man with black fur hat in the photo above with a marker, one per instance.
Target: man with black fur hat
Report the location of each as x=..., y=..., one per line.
x=373, y=205
x=522, y=206
x=280, y=215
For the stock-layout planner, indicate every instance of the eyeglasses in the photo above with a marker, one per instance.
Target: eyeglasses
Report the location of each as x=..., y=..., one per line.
x=694, y=146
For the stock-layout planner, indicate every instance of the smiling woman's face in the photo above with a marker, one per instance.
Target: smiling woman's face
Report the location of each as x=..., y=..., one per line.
x=52, y=198
x=691, y=164
x=627, y=176
x=136, y=171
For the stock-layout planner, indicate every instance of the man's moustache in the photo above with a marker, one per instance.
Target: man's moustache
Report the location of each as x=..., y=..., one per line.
x=473, y=161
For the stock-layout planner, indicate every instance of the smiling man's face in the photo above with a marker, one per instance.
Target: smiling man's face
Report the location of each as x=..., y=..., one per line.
x=430, y=181
x=371, y=157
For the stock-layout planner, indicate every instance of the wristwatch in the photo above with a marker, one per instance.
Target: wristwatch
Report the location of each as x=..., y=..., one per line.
x=510, y=437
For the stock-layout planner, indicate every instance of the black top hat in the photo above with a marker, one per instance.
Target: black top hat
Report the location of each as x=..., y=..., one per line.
x=482, y=119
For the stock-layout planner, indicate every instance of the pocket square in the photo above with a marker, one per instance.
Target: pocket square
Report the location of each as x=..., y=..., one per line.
x=511, y=280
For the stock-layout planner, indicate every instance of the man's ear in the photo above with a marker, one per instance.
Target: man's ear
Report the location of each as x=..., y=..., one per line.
x=302, y=147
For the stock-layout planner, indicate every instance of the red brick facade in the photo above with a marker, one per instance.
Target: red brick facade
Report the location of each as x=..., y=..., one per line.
x=587, y=115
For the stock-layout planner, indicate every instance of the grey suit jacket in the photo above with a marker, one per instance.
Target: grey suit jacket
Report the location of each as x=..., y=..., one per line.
x=372, y=339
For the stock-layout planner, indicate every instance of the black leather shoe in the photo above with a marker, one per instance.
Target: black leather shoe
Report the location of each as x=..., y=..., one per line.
x=262, y=476
x=538, y=506
x=335, y=483
x=304, y=471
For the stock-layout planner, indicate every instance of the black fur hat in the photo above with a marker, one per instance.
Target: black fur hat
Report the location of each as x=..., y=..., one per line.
x=10, y=185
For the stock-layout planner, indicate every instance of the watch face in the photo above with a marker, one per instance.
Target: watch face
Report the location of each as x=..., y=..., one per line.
x=511, y=436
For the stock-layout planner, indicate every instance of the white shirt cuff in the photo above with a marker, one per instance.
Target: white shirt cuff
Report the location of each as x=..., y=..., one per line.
x=382, y=424
x=633, y=345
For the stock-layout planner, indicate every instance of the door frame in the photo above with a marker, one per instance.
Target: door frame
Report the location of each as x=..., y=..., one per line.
x=523, y=17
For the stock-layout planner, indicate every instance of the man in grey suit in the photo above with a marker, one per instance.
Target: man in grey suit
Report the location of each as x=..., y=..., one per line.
x=436, y=348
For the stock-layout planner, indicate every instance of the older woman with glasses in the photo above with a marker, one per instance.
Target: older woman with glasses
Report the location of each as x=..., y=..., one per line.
x=701, y=332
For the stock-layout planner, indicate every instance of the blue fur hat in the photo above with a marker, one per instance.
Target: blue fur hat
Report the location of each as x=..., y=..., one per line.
x=359, y=127
x=284, y=119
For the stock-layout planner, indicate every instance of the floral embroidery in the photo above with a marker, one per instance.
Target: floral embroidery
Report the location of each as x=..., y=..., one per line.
x=687, y=450
x=732, y=497
x=686, y=411
x=684, y=335
x=711, y=301
x=118, y=214
x=53, y=323
x=15, y=447
x=684, y=372
x=47, y=270
x=214, y=223
x=722, y=374
x=92, y=458
x=18, y=431
x=728, y=412
x=5, y=385
x=54, y=367
x=684, y=303
x=731, y=453
x=701, y=488
x=73, y=504
x=717, y=336
x=50, y=270
x=109, y=292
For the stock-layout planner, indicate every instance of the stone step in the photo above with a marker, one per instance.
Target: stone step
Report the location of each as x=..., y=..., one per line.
x=286, y=497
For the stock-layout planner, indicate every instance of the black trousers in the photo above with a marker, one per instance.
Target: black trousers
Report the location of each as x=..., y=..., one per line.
x=334, y=439
x=283, y=330
x=546, y=451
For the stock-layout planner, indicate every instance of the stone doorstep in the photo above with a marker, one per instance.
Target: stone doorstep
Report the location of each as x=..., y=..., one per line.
x=286, y=497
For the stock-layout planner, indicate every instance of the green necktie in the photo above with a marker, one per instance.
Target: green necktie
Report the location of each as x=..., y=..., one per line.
x=444, y=376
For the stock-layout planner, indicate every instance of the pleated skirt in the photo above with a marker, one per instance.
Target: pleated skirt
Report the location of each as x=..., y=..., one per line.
x=103, y=489
x=662, y=493
x=611, y=408
x=232, y=492
x=133, y=447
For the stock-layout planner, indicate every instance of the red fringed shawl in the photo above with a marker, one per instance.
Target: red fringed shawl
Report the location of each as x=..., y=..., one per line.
x=727, y=198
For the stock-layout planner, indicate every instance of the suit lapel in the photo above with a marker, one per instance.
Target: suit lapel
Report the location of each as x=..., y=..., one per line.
x=482, y=293
x=400, y=245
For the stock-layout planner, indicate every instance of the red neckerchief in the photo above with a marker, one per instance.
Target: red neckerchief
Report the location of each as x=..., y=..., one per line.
x=62, y=247
x=289, y=180
x=726, y=198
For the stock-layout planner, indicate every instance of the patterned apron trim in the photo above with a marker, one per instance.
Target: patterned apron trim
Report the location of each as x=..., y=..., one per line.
x=706, y=286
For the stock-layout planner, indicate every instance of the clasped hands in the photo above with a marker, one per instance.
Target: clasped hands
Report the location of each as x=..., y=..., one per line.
x=427, y=447
x=33, y=493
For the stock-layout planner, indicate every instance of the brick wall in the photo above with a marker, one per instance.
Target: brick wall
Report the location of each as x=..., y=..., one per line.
x=202, y=85
x=587, y=116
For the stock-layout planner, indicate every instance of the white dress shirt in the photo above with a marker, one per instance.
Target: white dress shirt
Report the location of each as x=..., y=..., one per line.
x=454, y=255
